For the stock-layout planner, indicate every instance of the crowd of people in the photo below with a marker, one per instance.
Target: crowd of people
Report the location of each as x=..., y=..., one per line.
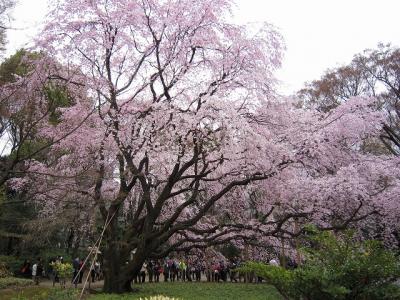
x=172, y=270
x=80, y=268
x=169, y=269
x=38, y=271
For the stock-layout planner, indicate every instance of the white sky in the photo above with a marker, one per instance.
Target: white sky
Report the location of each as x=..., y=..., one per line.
x=319, y=34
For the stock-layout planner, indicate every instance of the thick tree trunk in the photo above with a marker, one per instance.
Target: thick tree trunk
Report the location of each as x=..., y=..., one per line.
x=75, y=249
x=115, y=283
x=119, y=265
x=283, y=254
x=69, y=240
x=116, y=280
x=120, y=270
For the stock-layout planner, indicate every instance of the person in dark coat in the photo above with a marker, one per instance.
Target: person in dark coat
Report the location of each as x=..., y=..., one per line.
x=75, y=276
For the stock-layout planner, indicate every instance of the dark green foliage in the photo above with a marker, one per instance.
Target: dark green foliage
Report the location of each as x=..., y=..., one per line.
x=19, y=65
x=280, y=278
x=4, y=271
x=359, y=270
x=14, y=66
x=8, y=282
x=30, y=148
x=230, y=251
x=15, y=212
x=57, y=97
x=12, y=263
x=337, y=268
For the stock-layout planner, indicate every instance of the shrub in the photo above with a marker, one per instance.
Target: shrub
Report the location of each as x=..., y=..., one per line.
x=64, y=270
x=337, y=268
x=4, y=270
x=8, y=282
x=279, y=277
x=11, y=263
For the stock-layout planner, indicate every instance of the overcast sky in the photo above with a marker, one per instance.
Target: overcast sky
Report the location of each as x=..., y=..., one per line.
x=319, y=34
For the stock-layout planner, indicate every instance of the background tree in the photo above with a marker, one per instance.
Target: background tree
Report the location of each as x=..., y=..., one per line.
x=28, y=100
x=5, y=7
x=375, y=72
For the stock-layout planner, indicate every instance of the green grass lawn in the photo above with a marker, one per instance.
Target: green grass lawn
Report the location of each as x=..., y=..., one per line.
x=183, y=291
x=200, y=291
x=39, y=293
x=33, y=292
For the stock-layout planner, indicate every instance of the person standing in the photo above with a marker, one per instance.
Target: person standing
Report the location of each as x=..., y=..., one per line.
x=75, y=276
x=34, y=272
x=209, y=271
x=173, y=268
x=274, y=262
x=26, y=269
x=97, y=270
x=222, y=271
x=216, y=271
x=157, y=270
x=40, y=269
x=81, y=270
x=92, y=274
x=182, y=270
x=37, y=270
x=150, y=270
x=166, y=269
x=197, y=271
x=233, y=271
x=51, y=271
x=142, y=277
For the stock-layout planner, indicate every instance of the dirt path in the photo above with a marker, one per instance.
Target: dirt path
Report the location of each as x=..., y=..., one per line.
x=95, y=285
